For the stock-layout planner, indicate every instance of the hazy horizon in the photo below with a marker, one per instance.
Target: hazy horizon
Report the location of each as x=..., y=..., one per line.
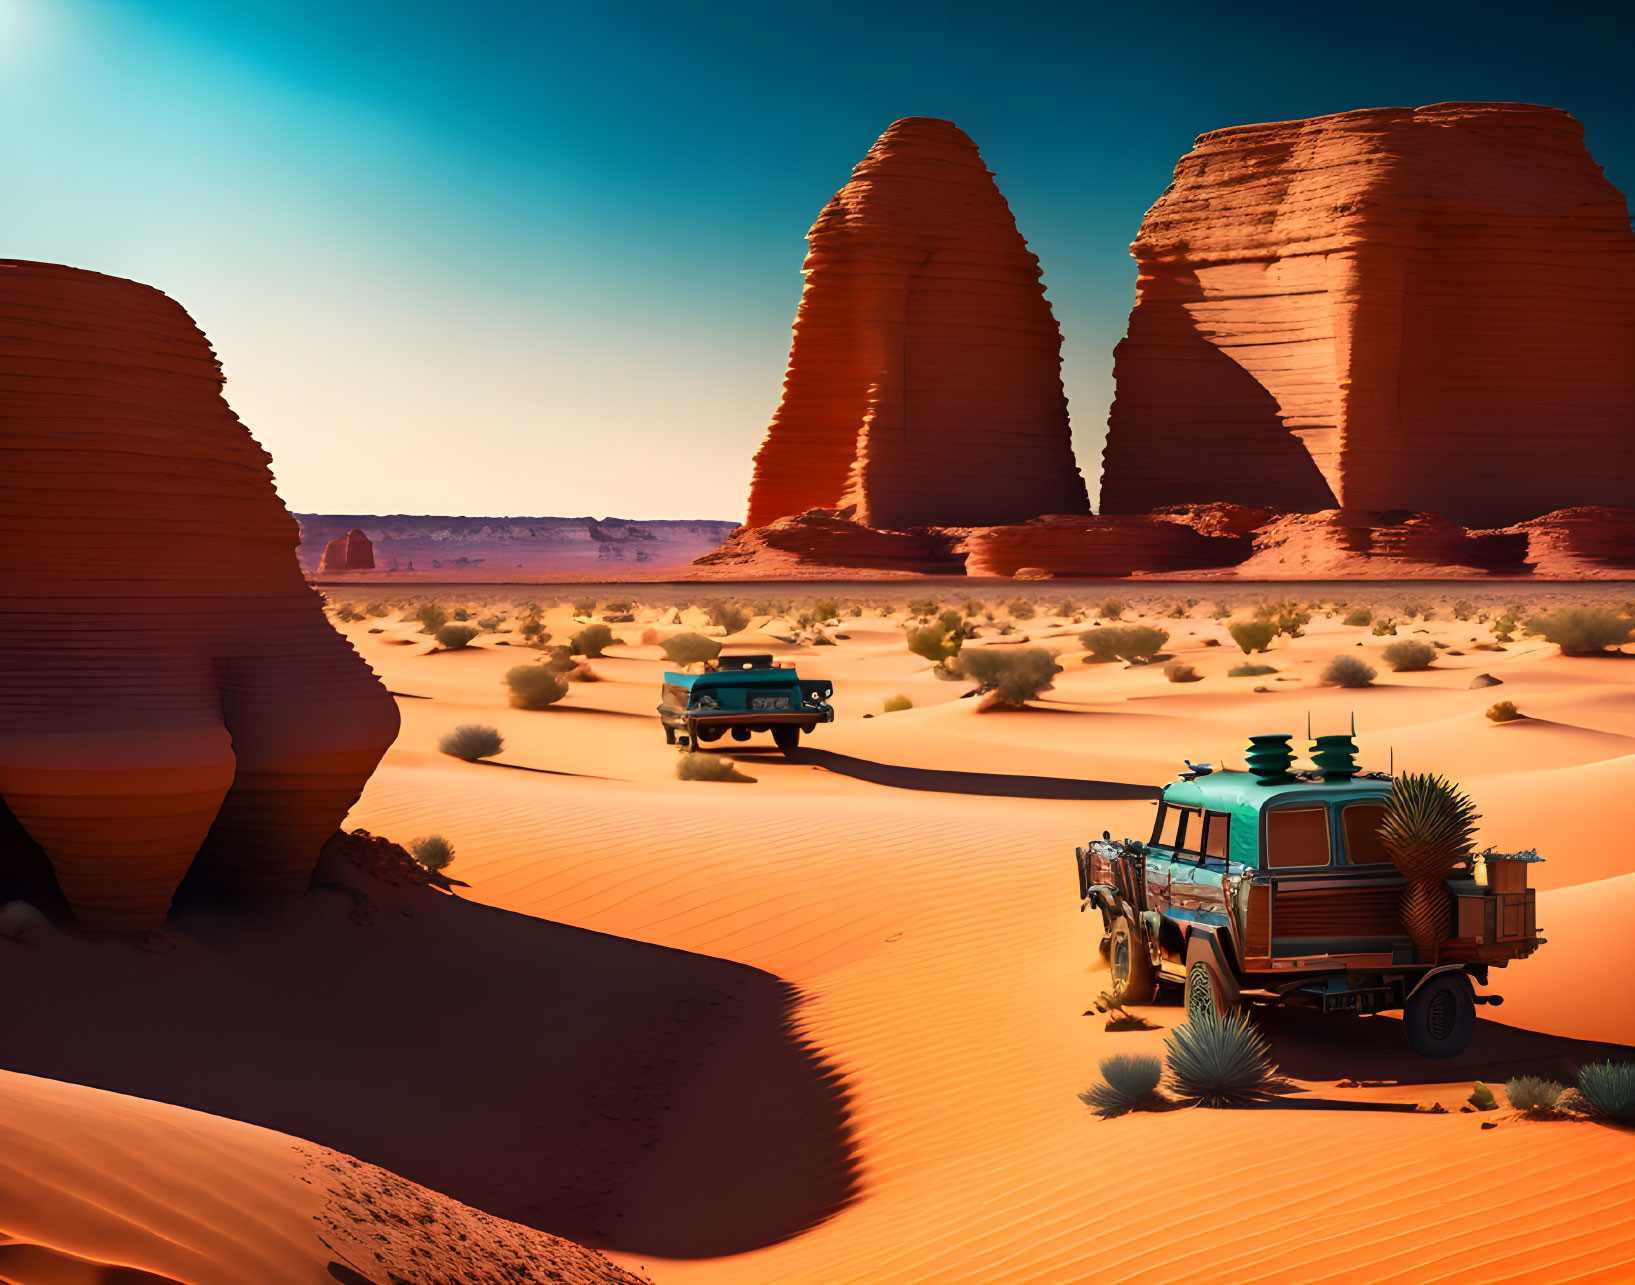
x=525, y=259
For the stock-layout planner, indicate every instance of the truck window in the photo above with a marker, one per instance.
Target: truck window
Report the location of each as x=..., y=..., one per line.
x=1362, y=834
x=1173, y=826
x=1297, y=836
x=1219, y=842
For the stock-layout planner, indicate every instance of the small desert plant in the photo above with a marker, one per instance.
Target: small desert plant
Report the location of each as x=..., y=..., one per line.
x=1384, y=627
x=1013, y=675
x=896, y=703
x=1021, y=609
x=826, y=609
x=1463, y=609
x=1427, y=827
x=1413, y=608
x=1285, y=617
x=1531, y=1093
x=532, y=629
x=1583, y=631
x=1218, y=1061
x=1409, y=655
x=1065, y=608
x=1250, y=671
x=584, y=606
x=1347, y=671
x=1607, y=1090
x=933, y=642
x=460, y=613
x=376, y=609
x=690, y=649
x=973, y=607
x=1481, y=1097
x=693, y=766
x=1129, y=1081
x=923, y=608
x=490, y=624
x=472, y=741
x=1180, y=673
x=1252, y=635
x=726, y=613
x=431, y=617
x=1504, y=628
x=1359, y=617
x=432, y=851
x=1134, y=643
x=535, y=686
x=454, y=637
x=591, y=641
x=1504, y=712
x=1112, y=608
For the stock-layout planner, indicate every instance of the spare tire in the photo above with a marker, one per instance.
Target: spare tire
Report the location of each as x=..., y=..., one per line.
x=1439, y=1018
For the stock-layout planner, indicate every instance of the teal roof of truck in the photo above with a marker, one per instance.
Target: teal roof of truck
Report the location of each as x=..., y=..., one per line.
x=1242, y=796
x=734, y=678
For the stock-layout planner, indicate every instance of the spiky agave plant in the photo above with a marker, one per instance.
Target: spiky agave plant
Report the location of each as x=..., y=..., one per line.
x=1129, y=1081
x=1218, y=1060
x=1608, y=1090
x=1429, y=823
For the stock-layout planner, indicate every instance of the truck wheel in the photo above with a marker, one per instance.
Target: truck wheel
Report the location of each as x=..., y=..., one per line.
x=1439, y=1018
x=1203, y=993
x=1132, y=970
x=786, y=737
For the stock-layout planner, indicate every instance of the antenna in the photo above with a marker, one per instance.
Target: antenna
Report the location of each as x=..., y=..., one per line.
x=1393, y=768
x=1353, y=722
x=1308, y=725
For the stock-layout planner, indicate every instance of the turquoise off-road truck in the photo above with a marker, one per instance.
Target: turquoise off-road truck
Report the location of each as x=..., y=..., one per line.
x=742, y=695
x=1271, y=886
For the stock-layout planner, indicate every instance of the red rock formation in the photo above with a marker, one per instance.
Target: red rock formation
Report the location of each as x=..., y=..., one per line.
x=1581, y=544
x=821, y=543
x=349, y=552
x=1340, y=545
x=1096, y=548
x=924, y=383
x=169, y=688
x=1429, y=309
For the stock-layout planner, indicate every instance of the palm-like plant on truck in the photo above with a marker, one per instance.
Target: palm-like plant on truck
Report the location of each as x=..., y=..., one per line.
x=1429, y=824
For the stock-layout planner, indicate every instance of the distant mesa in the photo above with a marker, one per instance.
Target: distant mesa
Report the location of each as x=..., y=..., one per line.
x=924, y=383
x=171, y=696
x=1384, y=343
x=349, y=552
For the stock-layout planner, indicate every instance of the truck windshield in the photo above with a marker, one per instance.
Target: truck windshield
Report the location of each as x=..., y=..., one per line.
x=1297, y=836
x=1361, y=822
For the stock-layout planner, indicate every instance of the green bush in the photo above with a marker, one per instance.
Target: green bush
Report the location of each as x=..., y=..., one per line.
x=1409, y=655
x=1252, y=635
x=535, y=686
x=472, y=741
x=1176, y=672
x=1014, y=675
x=923, y=608
x=690, y=649
x=694, y=766
x=896, y=703
x=726, y=613
x=378, y=610
x=1583, y=631
x=1250, y=671
x=1129, y=1082
x=592, y=640
x=431, y=617
x=1021, y=609
x=1359, y=617
x=1504, y=627
x=1504, y=712
x=1134, y=643
x=432, y=851
x=1218, y=1061
x=454, y=637
x=1384, y=627
x=1347, y=671
x=1066, y=608
x=933, y=642
x=1285, y=617
x=826, y=609
x=1608, y=1090
x=490, y=624
x=1481, y=1097
x=460, y=613
x=1112, y=608
x=1531, y=1093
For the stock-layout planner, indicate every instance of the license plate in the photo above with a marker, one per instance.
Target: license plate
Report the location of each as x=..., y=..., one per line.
x=1356, y=1001
x=769, y=702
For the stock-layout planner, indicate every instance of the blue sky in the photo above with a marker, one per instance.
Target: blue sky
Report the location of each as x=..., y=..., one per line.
x=535, y=258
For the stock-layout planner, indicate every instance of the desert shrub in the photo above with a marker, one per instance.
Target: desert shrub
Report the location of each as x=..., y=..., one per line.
x=896, y=703
x=1607, y=1090
x=1504, y=712
x=954, y=623
x=1250, y=671
x=1463, y=609
x=1220, y=611
x=490, y=624
x=973, y=607
x=1285, y=617
x=1582, y=631
x=1179, y=673
x=454, y=637
x=1252, y=635
x=693, y=766
x=1065, y=608
x=1134, y=643
x=472, y=741
x=619, y=607
x=1218, y=1061
x=690, y=649
x=533, y=631
x=431, y=616
x=1481, y=1097
x=1409, y=655
x=460, y=613
x=1531, y=1093
x=591, y=641
x=826, y=609
x=1129, y=1081
x=1021, y=609
x=1414, y=607
x=1359, y=617
x=376, y=609
x=933, y=642
x=1383, y=627
x=584, y=606
x=1504, y=627
x=726, y=613
x=923, y=608
x=1347, y=671
x=1112, y=608
x=856, y=609
x=1014, y=675
x=432, y=851
x=535, y=686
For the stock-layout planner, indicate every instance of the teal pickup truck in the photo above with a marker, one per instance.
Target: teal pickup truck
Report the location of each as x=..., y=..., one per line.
x=743, y=695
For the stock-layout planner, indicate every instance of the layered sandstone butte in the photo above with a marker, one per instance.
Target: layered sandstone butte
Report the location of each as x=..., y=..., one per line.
x=821, y=545
x=1113, y=546
x=349, y=552
x=1581, y=544
x=924, y=383
x=170, y=691
x=1428, y=309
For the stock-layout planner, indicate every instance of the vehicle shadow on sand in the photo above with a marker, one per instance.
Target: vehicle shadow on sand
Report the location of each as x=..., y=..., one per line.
x=990, y=784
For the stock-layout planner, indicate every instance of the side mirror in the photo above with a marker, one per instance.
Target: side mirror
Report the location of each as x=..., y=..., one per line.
x=1107, y=834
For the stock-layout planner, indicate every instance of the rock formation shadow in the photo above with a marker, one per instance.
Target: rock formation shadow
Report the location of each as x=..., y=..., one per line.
x=1313, y=1046
x=990, y=784
x=624, y=1095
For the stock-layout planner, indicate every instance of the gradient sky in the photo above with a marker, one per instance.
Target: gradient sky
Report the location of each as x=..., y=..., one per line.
x=533, y=258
